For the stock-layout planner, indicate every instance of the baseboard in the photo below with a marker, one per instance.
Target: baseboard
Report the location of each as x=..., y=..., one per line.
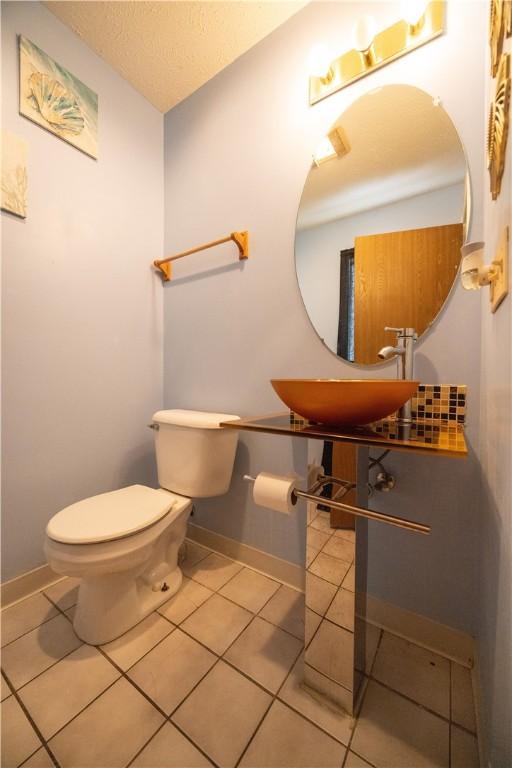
x=284, y=571
x=439, y=638
x=27, y=584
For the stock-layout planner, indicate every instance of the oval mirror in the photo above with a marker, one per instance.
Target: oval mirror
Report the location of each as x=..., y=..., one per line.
x=381, y=221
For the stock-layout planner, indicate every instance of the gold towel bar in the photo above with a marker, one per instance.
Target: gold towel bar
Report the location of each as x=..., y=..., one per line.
x=240, y=238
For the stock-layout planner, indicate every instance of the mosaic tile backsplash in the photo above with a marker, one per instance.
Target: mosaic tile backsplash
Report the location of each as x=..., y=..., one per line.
x=440, y=402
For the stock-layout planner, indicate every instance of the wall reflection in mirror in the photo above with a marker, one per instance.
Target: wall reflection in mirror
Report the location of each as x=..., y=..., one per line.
x=381, y=220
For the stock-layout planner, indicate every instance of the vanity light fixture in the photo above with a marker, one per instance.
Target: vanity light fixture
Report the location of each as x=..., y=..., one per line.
x=335, y=144
x=422, y=22
x=475, y=274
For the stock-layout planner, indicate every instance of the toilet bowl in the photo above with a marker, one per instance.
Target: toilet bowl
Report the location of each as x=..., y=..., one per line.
x=124, y=544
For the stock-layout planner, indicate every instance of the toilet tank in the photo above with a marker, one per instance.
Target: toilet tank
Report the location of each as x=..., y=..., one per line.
x=194, y=455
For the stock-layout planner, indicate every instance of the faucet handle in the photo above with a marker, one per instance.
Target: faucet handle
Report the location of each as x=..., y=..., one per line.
x=403, y=332
x=400, y=332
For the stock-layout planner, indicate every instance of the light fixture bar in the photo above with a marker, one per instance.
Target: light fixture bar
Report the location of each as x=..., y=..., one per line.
x=388, y=45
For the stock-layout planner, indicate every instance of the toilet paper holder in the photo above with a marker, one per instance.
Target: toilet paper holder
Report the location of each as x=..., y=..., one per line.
x=344, y=486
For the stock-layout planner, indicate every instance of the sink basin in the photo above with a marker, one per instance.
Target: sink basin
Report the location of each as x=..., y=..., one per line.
x=347, y=402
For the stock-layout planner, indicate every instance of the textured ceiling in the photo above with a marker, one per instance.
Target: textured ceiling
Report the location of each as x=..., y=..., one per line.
x=402, y=143
x=167, y=50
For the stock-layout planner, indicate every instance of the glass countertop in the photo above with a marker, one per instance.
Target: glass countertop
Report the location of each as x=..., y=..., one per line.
x=427, y=437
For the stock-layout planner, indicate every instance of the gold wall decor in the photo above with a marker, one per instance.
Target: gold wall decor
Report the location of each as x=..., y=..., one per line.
x=497, y=133
x=508, y=17
x=499, y=26
x=499, y=285
x=385, y=47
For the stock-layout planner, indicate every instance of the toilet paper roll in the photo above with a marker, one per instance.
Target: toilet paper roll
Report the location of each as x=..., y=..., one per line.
x=275, y=492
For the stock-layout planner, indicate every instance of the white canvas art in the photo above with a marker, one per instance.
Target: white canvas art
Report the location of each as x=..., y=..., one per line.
x=57, y=100
x=14, y=174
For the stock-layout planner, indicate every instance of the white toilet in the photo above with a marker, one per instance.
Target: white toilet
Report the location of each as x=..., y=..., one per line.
x=124, y=544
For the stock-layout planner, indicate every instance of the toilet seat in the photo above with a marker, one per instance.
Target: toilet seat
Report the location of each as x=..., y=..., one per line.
x=112, y=515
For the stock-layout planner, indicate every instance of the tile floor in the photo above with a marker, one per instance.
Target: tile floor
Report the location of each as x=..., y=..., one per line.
x=213, y=678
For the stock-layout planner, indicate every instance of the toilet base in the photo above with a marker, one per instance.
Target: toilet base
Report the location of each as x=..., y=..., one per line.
x=108, y=606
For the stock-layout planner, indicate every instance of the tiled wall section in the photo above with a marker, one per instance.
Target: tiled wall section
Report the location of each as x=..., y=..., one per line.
x=440, y=402
x=444, y=435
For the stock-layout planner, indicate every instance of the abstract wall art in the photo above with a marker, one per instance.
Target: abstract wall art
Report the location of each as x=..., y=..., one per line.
x=55, y=99
x=14, y=174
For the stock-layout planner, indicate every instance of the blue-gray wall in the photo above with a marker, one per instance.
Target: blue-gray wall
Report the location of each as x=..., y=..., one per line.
x=82, y=311
x=82, y=349
x=237, y=153
x=495, y=552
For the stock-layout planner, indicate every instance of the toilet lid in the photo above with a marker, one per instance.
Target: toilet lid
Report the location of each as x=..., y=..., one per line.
x=110, y=515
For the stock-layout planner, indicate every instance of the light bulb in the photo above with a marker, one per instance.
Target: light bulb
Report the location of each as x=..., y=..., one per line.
x=319, y=61
x=363, y=33
x=412, y=11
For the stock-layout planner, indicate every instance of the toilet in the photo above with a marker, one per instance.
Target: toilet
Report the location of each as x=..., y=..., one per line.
x=124, y=544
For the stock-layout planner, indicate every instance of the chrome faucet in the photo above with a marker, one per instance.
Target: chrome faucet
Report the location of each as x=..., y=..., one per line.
x=404, y=349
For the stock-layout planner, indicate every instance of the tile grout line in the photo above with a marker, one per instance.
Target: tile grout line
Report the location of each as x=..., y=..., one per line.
x=82, y=710
x=217, y=592
x=359, y=705
x=244, y=565
x=228, y=663
x=219, y=658
x=377, y=649
x=253, y=735
x=322, y=551
x=331, y=582
x=43, y=742
x=274, y=696
x=53, y=664
x=147, y=743
x=323, y=617
x=298, y=712
x=174, y=627
x=121, y=675
x=358, y=710
x=363, y=758
x=273, y=700
x=24, y=634
x=369, y=676
x=412, y=701
x=161, y=711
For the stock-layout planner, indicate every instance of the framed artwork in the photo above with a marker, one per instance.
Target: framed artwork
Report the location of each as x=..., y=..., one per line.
x=14, y=174
x=57, y=100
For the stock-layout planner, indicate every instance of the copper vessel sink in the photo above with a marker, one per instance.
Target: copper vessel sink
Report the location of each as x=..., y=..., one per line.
x=347, y=402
